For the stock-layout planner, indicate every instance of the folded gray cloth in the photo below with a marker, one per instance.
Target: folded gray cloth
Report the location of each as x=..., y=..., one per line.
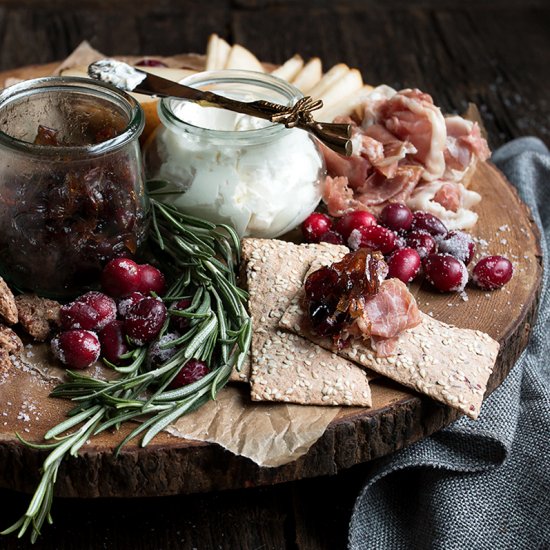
x=481, y=484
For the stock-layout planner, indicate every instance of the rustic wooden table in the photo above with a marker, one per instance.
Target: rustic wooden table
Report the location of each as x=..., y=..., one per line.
x=494, y=53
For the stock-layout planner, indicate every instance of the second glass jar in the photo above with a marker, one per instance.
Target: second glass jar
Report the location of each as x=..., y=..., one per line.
x=260, y=177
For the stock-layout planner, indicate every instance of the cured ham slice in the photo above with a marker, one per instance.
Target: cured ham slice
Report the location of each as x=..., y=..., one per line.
x=451, y=202
x=412, y=116
x=339, y=196
x=379, y=189
x=402, y=145
x=389, y=312
x=355, y=168
x=386, y=315
x=464, y=145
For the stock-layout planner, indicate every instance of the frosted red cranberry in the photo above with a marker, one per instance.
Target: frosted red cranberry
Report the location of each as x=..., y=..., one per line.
x=145, y=320
x=120, y=276
x=428, y=222
x=151, y=279
x=77, y=315
x=315, y=226
x=404, y=265
x=113, y=341
x=159, y=352
x=492, y=272
x=192, y=371
x=354, y=220
x=445, y=272
x=375, y=237
x=396, y=216
x=91, y=311
x=76, y=349
x=458, y=244
x=125, y=303
x=331, y=237
x=150, y=63
x=422, y=242
x=180, y=323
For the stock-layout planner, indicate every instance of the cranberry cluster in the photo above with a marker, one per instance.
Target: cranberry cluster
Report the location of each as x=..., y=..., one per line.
x=128, y=313
x=412, y=243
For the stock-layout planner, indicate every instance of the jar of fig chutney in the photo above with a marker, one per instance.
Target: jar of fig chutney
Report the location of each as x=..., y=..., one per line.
x=71, y=183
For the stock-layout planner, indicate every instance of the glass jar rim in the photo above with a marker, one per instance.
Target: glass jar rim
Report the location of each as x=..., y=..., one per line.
x=131, y=107
x=230, y=76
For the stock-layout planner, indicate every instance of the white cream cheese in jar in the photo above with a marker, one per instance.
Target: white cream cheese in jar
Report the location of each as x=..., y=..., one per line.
x=261, y=178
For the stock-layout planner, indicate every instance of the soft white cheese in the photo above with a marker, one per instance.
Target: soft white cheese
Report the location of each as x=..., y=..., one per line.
x=263, y=189
x=117, y=73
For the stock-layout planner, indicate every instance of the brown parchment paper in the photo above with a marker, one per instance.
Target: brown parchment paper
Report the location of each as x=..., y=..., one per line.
x=269, y=434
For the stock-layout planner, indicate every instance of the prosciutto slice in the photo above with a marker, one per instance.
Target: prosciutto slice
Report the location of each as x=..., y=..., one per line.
x=464, y=144
x=411, y=115
x=404, y=150
x=386, y=315
x=451, y=202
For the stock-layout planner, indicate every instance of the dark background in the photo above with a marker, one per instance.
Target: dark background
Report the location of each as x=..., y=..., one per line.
x=493, y=53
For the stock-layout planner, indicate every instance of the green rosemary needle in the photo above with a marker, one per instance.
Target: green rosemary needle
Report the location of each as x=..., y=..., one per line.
x=201, y=257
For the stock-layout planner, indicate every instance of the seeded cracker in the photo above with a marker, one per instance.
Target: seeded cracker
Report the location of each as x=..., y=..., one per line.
x=8, y=309
x=9, y=341
x=449, y=364
x=286, y=367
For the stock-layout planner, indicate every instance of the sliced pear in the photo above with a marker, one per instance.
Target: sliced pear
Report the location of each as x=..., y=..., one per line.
x=348, y=85
x=290, y=68
x=333, y=75
x=345, y=106
x=243, y=59
x=217, y=52
x=309, y=76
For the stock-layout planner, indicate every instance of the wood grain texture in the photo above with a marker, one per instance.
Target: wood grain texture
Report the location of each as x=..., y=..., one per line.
x=494, y=53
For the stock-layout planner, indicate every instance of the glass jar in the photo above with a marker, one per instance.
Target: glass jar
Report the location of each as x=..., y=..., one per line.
x=261, y=178
x=71, y=183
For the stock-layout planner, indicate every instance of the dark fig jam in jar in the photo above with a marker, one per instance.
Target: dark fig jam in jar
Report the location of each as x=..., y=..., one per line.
x=71, y=183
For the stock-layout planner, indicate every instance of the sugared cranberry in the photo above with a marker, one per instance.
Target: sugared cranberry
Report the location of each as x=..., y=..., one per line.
x=404, y=264
x=396, y=216
x=180, y=323
x=145, y=319
x=150, y=63
x=113, y=341
x=375, y=237
x=428, y=222
x=492, y=272
x=76, y=349
x=158, y=353
x=125, y=303
x=458, y=244
x=445, y=272
x=151, y=279
x=354, y=220
x=331, y=237
x=120, y=276
x=91, y=311
x=315, y=226
x=192, y=371
x=422, y=242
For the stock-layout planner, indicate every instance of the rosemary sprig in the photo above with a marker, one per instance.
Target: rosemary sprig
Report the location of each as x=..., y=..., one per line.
x=203, y=255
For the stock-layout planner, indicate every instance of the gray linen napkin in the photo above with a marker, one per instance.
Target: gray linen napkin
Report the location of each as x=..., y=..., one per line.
x=481, y=484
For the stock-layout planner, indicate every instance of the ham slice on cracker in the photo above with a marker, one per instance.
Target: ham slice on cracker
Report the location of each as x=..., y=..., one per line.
x=286, y=367
x=449, y=364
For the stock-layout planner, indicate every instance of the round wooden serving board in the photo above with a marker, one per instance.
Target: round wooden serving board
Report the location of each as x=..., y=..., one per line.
x=399, y=417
